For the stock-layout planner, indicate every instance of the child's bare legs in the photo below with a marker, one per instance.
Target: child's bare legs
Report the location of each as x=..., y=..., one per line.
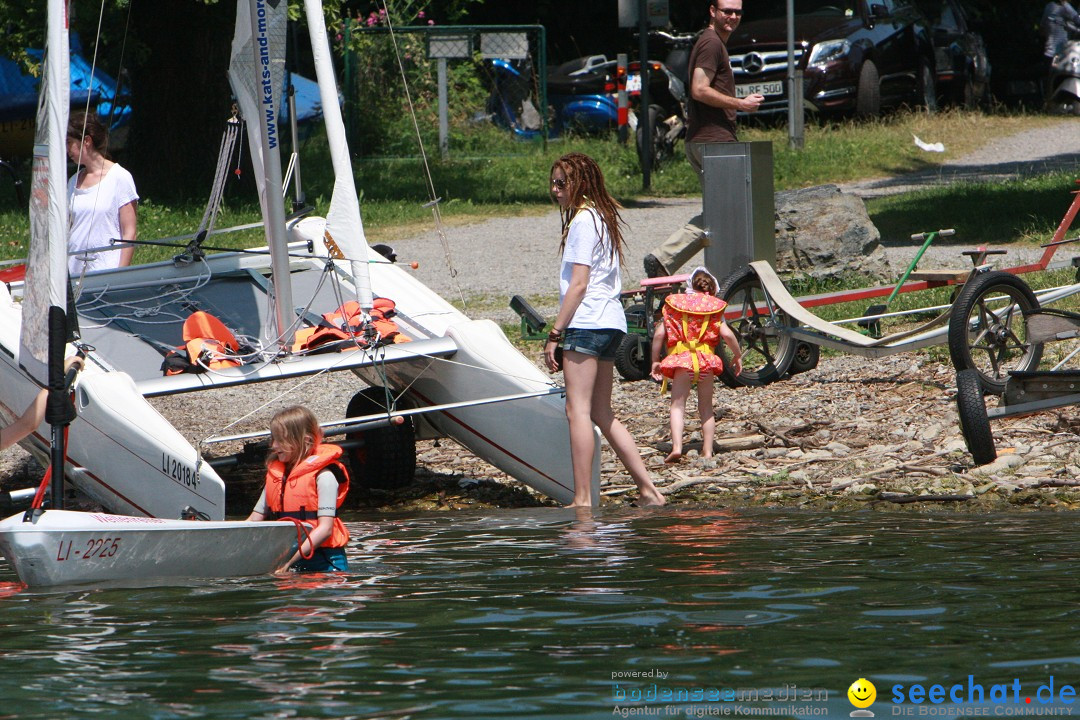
x=705, y=412
x=680, y=390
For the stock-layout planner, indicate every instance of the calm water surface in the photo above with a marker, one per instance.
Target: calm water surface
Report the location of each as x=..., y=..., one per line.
x=543, y=613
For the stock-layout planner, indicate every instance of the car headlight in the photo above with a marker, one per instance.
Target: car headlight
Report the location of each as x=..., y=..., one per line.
x=829, y=51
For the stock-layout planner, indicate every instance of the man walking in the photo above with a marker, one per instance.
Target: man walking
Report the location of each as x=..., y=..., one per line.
x=711, y=111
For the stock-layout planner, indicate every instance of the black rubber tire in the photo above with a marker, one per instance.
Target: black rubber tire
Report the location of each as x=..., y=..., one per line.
x=387, y=459
x=974, y=423
x=631, y=356
x=660, y=150
x=868, y=95
x=805, y=358
x=767, y=351
x=980, y=340
x=927, y=89
x=969, y=99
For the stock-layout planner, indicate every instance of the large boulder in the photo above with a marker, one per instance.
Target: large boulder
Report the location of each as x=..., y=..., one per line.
x=823, y=232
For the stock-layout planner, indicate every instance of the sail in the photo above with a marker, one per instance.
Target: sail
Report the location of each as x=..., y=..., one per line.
x=46, y=272
x=256, y=73
x=344, y=227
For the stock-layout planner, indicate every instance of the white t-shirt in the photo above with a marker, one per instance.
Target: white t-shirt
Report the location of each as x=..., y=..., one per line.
x=95, y=219
x=587, y=243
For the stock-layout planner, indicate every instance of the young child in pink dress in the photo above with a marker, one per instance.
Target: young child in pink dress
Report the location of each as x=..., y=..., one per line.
x=693, y=323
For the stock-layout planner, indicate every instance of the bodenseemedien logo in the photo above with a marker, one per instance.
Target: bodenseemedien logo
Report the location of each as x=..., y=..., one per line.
x=862, y=694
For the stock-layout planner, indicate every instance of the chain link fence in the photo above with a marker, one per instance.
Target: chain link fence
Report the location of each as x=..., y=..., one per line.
x=474, y=91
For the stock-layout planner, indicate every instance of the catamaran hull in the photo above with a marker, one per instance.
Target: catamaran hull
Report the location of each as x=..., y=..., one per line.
x=527, y=439
x=122, y=453
x=62, y=547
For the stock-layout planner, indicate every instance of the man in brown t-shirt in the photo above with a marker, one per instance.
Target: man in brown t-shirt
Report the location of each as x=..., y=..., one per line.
x=711, y=111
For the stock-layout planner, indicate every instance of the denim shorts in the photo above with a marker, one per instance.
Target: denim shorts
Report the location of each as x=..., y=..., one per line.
x=602, y=344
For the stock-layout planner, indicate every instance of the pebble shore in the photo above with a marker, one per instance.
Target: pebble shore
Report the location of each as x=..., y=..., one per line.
x=852, y=433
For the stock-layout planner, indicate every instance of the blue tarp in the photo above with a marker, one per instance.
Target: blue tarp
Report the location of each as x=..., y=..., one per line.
x=19, y=93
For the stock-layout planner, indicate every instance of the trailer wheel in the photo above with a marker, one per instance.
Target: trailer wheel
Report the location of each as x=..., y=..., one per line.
x=988, y=329
x=805, y=358
x=974, y=423
x=767, y=349
x=630, y=357
x=387, y=459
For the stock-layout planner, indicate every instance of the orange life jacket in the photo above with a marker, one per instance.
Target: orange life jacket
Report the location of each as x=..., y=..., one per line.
x=206, y=339
x=298, y=496
x=346, y=323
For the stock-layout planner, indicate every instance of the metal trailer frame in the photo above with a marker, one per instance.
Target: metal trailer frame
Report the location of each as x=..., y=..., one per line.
x=761, y=311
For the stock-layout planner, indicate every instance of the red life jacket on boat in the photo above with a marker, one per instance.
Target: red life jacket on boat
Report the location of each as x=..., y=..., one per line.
x=298, y=495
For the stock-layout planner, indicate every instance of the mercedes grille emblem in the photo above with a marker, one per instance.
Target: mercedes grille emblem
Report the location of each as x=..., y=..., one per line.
x=752, y=63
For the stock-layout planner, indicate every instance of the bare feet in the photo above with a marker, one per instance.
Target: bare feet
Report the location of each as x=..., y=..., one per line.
x=651, y=497
x=674, y=457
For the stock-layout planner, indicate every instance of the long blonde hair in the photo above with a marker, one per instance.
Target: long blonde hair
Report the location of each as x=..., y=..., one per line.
x=297, y=427
x=585, y=187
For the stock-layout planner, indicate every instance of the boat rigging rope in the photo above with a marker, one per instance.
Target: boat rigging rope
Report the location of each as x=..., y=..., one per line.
x=434, y=201
x=302, y=535
x=221, y=173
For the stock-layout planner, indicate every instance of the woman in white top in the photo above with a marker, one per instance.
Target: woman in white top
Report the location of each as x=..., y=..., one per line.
x=591, y=322
x=101, y=199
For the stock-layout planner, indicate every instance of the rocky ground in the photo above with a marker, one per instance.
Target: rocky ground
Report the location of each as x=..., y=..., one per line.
x=851, y=433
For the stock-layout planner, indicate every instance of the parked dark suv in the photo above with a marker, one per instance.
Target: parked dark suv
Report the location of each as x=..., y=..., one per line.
x=857, y=56
x=963, y=69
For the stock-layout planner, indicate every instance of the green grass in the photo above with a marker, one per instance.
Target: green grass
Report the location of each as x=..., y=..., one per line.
x=1026, y=210
x=512, y=180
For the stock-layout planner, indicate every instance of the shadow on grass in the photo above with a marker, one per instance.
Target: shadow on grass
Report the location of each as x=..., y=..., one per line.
x=981, y=213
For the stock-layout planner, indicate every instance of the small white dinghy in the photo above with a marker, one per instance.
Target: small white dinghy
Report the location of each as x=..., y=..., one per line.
x=65, y=547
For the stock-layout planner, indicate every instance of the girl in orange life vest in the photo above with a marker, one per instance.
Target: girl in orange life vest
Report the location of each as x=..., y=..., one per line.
x=306, y=481
x=693, y=324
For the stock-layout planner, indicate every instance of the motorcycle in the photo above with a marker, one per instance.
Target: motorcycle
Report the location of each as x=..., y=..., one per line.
x=578, y=96
x=1064, y=83
x=668, y=96
x=582, y=97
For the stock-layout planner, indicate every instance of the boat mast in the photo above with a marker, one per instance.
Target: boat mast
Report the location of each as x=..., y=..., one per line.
x=344, y=226
x=259, y=97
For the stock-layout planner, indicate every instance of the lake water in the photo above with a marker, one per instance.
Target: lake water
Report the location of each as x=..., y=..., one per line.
x=544, y=613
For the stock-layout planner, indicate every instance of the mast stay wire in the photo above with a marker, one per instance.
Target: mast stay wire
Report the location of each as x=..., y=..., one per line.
x=434, y=202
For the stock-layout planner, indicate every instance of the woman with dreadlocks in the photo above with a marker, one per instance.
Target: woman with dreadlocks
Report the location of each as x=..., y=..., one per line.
x=591, y=323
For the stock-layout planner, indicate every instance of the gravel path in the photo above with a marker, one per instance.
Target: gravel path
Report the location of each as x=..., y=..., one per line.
x=497, y=258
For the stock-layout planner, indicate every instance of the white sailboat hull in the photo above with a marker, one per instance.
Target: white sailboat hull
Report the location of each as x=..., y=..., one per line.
x=122, y=453
x=63, y=547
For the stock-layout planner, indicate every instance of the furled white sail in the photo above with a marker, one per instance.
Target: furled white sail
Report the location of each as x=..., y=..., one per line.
x=46, y=272
x=256, y=73
x=344, y=227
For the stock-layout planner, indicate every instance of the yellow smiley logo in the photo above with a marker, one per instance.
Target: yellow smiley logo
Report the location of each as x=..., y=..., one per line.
x=862, y=693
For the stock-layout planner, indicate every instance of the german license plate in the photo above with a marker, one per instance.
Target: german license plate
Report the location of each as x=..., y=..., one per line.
x=765, y=88
x=633, y=83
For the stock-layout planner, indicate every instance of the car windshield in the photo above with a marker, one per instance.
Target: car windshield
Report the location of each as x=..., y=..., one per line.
x=820, y=8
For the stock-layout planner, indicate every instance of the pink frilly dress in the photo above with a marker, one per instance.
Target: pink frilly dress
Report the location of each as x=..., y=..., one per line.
x=692, y=323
